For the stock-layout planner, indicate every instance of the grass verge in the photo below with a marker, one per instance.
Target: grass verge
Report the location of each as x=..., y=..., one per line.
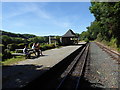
x=12, y=60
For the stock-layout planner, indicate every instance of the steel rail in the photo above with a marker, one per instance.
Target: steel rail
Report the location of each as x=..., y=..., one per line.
x=72, y=68
x=111, y=52
x=84, y=57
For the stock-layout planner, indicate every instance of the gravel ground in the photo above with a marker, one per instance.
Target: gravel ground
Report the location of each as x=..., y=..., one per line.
x=101, y=71
x=23, y=72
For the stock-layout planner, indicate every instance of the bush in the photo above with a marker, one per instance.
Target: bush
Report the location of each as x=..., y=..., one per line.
x=59, y=44
x=47, y=46
x=86, y=40
x=12, y=46
x=105, y=42
x=44, y=47
x=52, y=45
x=6, y=54
x=99, y=37
x=21, y=46
x=19, y=51
x=113, y=42
x=30, y=45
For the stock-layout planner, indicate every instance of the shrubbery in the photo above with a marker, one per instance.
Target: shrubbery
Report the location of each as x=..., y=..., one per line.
x=47, y=46
x=30, y=45
x=21, y=45
x=12, y=46
x=86, y=40
x=6, y=54
x=113, y=42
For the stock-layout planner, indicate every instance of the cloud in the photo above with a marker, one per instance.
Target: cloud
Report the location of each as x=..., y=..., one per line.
x=39, y=12
x=26, y=8
x=42, y=14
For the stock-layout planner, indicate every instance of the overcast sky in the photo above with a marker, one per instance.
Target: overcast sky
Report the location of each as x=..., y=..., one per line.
x=46, y=18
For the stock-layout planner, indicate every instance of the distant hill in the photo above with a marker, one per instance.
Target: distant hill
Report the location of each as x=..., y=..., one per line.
x=26, y=36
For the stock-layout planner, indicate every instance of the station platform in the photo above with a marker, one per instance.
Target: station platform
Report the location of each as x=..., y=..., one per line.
x=23, y=72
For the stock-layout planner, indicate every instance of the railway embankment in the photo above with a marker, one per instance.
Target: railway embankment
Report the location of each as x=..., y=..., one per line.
x=102, y=70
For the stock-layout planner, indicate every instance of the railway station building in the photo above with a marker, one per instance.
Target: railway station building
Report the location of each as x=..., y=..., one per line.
x=69, y=38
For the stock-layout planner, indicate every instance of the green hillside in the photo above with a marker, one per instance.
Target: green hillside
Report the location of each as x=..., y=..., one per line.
x=26, y=36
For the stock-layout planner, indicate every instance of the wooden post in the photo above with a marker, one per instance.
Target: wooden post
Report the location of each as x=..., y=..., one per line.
x=60, y=39
x=55, y=41
x=49, y=40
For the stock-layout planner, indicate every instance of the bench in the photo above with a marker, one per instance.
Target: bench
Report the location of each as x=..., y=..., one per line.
x=17, y=50
x=18, y=54
x=22, y=54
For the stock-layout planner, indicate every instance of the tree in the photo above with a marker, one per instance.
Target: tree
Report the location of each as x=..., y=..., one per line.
x=107, y=21
x=106, y=26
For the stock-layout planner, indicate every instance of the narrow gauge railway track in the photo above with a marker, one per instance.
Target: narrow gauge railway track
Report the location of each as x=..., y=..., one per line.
x=65, y=76
x=71, y=77
x=112, y=53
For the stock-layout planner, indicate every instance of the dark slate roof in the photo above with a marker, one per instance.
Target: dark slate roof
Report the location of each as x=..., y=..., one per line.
x=69, y=33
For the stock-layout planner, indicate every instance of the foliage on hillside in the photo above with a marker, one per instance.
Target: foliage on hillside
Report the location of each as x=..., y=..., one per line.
x=12, y=38
x=106, y=27
x=12, y=41
x=26, y=36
